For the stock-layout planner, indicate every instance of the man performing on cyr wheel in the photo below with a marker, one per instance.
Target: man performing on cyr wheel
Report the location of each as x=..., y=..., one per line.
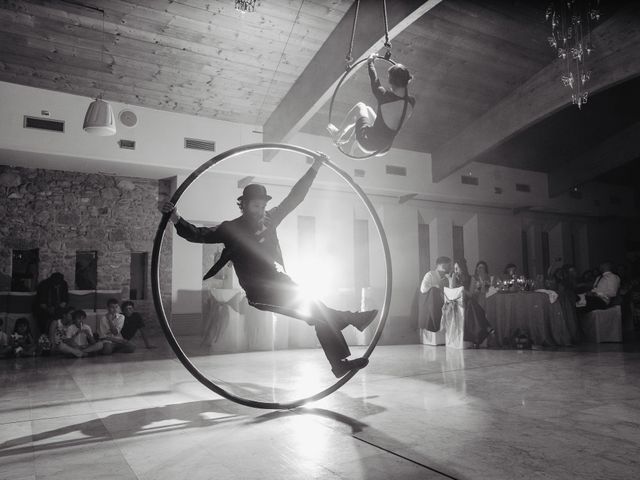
x=251, y=243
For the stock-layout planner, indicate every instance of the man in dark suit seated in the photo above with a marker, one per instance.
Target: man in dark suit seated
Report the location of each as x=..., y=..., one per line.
x=432, y=298
x=604, y=291
x=252, y=244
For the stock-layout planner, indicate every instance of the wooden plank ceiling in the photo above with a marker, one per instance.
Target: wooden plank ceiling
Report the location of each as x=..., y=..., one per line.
x=201, y=57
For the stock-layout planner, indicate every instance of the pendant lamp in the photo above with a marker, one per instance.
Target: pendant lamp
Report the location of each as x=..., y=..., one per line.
x=99, y=119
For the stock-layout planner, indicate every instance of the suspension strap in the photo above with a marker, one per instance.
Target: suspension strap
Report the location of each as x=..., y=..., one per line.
x=387, y=44
x=349, y=58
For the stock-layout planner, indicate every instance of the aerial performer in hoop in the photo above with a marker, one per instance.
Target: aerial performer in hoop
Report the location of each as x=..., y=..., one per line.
x=251, y=243
x=366, y=132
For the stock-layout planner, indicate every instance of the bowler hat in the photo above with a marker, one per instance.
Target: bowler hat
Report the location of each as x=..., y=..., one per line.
x=254, y=191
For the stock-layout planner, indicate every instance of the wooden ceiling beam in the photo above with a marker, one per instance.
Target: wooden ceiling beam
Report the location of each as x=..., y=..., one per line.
x=614, y=152
x=316, y=83
x=615, y=60
x=521, y=31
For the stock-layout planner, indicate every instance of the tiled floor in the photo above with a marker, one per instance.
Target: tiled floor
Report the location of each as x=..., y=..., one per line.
x=416, y=412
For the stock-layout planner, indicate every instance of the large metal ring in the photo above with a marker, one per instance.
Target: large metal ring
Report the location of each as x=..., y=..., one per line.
x=155, y=277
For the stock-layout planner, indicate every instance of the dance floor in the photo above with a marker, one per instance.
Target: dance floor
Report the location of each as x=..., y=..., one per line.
x=416, y=412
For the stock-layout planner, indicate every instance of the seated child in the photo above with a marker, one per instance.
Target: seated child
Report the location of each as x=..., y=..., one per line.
x=59, y=343
x=22, y=341
x=133, y=323
x=110, y=328
x=80, y=336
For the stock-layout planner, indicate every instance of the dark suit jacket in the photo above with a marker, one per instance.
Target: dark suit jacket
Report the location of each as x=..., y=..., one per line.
x=254, y=249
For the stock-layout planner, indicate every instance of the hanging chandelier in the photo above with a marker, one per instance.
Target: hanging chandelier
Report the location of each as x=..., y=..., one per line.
x=246, y=5
x=571, y=38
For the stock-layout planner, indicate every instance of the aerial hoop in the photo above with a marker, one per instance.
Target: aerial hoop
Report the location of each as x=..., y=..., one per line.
x=350, y=68
x=155, y=277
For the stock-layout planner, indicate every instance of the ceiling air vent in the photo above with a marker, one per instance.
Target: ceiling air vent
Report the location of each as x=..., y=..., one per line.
x=358, y=172
x=395, y=170
x=43, y=124
x=497, y=190
x=469, y=180
x=196, y=144
x=523, y=187
x=127, y=144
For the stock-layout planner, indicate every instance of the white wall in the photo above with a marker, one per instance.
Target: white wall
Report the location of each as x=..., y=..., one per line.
x=160, y=149
x=159, y=135
x=492, y=230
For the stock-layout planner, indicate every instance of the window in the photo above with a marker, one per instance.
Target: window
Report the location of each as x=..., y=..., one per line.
x=458, y=242
x=545, y=252
x=424, y=250
x=24, y=270
x=87, y=270
x=525, y=254
x=138, y=275
x=361, y=254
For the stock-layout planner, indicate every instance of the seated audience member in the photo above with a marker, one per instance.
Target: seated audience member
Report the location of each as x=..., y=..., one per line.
x=481, y=280
x=80, y=336
x=568, y=280
x=565, y=281
x=476, y=325
x=22, y=342
x=110, y=328
x=52, y=296
x=621, y=271
x=510, y=271
x=58, y=335
x=437, y=277
x=5, y=348
x=585, y=281
x=432, y=295
x=460, y=276
x=133, y=323
x=69, y=339
x=605, y=288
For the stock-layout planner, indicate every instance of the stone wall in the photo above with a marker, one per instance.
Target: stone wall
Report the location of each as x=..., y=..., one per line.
x=62, y=212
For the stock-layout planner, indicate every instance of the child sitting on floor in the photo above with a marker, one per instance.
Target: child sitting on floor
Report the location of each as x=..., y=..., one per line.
x=22, y=340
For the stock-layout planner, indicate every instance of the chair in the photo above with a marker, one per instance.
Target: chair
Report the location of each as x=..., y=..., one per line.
x=430, y=317
x=432, y=338
x=453, y=318
x=601, y=326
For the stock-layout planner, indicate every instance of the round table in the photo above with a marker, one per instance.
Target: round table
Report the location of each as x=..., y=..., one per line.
x=531, y=312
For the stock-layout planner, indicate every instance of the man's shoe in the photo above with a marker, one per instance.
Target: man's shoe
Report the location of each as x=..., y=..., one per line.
x=362, y=320
x=345, y=366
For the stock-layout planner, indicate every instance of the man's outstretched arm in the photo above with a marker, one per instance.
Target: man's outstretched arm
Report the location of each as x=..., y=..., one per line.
x=188, y=231
x=297, y=193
